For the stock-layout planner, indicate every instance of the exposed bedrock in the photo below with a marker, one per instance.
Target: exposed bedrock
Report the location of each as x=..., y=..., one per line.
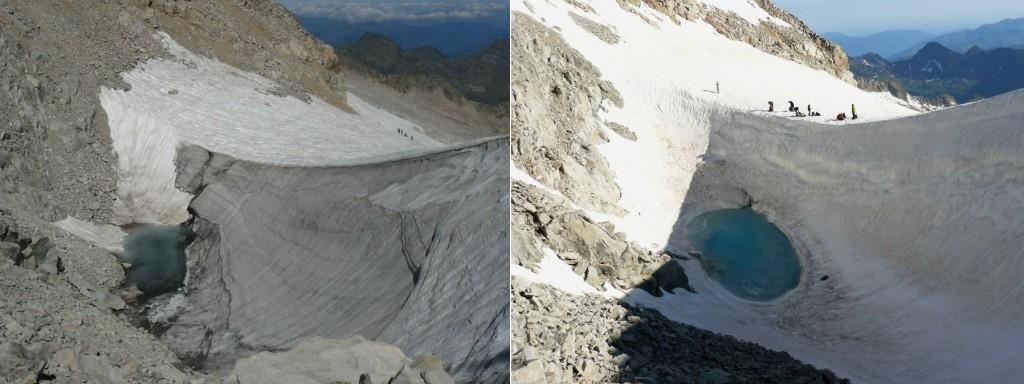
x=912, y=235
x=354, y=360
x=410, y=250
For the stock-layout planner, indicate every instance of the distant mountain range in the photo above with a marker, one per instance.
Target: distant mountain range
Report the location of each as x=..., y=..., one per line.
x=482, y=76
x=883, y=43
x=902, y=44
x=453, y=38
x=935, y=70
x=1008, y=33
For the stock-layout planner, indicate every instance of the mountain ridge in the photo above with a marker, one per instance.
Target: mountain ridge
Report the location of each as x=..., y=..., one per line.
x=454, y=38
x=1006, y=33
x=884, y=43
x=478, y=76
x=936, y=69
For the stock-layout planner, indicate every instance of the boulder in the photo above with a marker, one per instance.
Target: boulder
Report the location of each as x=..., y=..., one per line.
x=99, y=296
x=46, y=258
x=532, y=373
x=318, y=360
x=432, y=370
x=9, y=251
x=22, y=361
x=83, y=368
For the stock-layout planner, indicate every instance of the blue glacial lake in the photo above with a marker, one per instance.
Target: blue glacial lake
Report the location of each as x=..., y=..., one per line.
x=157, y=257
x=745, y=253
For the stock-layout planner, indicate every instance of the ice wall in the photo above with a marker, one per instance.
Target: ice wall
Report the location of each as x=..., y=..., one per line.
x=408, y=249
x=915, y=224
x=190, y=99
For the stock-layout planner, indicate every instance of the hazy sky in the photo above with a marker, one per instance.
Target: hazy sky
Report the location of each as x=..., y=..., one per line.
x=406, y=10
x=862, y=17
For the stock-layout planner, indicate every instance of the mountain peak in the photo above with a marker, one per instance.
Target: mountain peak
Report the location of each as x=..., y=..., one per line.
x=933, y=49
x=376, y=39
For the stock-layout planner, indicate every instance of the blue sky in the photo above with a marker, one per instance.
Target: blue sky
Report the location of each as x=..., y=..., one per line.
x=399, y=10
x=862, y=17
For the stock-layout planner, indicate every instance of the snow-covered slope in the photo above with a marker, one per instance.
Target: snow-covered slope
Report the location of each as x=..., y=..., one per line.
x=909, y=225
x=190, y=99
x=668, y=85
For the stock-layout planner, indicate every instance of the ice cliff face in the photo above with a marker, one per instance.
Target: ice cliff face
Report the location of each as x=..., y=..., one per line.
x=907, y=225
x=397, y=250
x=190, y=99
x=910, y=231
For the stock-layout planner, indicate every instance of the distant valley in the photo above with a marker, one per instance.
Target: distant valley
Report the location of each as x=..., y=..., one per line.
x=902, y=44
x=482, y=76
x=964, y=65
x=936, y=70
x=886, y=43
x=453, y=38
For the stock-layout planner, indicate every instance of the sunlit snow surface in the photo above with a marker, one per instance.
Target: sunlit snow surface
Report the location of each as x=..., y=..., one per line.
x=190, y=99
x=668, y=87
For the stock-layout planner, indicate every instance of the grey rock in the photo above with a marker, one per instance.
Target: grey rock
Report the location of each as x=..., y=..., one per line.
x=532, y=373
x=84, y=368
x=621, y=130
x=46, y=258
x=99, y=296
x=318, y=360
x=10, y=251
x=555, y=144
x=601, y=31
x=20, y=361
x=407, y=375
x=596, y=253
x=190, y=164
x=431, y=368
x=612, y=343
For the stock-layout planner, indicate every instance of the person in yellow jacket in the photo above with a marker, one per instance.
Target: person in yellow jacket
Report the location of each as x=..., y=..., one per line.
x=853, y=111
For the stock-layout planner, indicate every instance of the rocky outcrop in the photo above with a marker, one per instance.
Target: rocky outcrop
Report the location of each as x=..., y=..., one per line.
x=594, y=250
x=588, y=339
x=556, y=95
x=896, y=89
x=65, y=329
x=324, y=361
x=395, y=250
